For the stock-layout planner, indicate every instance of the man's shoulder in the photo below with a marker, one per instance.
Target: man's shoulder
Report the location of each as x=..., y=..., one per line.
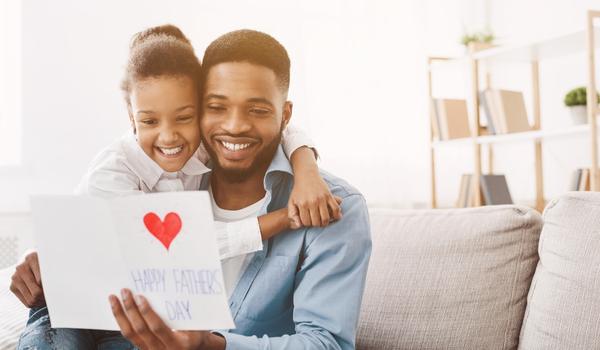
x=340, y=187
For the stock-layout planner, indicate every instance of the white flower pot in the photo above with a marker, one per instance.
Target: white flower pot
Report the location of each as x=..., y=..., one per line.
x=578, y=114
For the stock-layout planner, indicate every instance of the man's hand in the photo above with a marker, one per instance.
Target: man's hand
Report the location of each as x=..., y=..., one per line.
x=27, y=282
x=146, y=330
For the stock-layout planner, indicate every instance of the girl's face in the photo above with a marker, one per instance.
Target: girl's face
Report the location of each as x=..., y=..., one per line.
x=164, y=112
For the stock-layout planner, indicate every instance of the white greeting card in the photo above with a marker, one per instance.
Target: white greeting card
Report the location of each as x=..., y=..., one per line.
x=160, y=245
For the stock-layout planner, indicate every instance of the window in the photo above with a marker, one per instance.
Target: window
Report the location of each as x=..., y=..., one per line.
x=10, y=82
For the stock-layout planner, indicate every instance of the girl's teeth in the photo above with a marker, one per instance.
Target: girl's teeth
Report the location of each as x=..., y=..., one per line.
x=235, y=146
x=171, y=151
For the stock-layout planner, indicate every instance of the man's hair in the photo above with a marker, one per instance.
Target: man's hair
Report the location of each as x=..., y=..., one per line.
x=160, y=51
x=249, y=46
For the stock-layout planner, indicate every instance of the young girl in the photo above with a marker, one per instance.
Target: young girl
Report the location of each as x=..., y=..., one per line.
x=164, y=154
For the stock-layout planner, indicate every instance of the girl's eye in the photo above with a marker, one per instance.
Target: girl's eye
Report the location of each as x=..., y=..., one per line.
x=185, y=118
x=148, y=121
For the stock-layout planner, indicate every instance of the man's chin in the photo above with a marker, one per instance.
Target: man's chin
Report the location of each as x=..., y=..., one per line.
x=234, y=175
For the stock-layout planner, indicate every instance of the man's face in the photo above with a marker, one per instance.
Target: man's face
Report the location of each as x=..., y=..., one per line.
x=244, y=112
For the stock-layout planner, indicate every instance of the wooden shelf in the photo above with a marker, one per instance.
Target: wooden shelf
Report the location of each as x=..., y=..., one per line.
x=540, y=50
x=528, y=52
x=534, y=135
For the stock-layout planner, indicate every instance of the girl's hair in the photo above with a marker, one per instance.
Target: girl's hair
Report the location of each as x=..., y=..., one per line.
x=159, y=51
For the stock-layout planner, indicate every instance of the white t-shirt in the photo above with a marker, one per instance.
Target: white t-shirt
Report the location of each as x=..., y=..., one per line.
x=233, y=267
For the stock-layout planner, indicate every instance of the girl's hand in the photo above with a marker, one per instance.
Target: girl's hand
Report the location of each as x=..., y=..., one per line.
x=311, y=203
x=146, y=330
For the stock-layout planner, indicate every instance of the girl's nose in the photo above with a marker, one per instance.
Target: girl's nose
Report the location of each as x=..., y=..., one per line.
x=168, y=136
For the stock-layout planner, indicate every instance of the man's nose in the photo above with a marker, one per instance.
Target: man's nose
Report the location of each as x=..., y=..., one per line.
x=236, y=122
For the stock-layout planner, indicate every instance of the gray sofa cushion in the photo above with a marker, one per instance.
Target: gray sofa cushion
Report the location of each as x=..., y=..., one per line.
x=448, y=279
x=563, y=310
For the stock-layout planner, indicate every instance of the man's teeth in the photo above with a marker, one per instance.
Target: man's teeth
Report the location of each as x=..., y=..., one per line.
x=235, y=146
x=171, y=151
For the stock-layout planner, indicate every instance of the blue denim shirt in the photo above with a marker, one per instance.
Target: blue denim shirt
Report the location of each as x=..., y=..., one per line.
x=304, y=289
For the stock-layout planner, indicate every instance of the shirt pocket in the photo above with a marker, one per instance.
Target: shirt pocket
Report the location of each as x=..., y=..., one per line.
x=271, y=292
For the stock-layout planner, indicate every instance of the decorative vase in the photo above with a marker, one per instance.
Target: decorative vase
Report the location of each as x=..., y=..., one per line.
x=578, y=114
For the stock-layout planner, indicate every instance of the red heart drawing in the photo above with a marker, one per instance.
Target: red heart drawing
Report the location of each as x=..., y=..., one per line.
x=165, y=231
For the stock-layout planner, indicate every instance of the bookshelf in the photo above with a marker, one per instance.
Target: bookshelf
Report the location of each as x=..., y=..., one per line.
x=586, y=40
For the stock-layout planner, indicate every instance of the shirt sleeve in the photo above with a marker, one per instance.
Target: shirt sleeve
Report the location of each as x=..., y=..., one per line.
x=329, y=286
x=109, y=176
x=238, y=237
x=293, y=138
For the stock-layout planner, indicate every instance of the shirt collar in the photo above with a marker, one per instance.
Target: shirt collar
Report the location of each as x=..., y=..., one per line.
x=194, y=165
x=147, y=169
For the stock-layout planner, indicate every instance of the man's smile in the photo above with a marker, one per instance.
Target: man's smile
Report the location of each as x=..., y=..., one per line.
x=235, y=148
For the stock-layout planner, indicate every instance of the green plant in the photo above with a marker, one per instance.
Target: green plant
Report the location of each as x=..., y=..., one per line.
x=577, y=97
x=477, y=37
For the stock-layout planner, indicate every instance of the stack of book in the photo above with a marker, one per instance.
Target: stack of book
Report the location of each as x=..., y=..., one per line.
x=494, y=191
x=504, y=110
x=449, y=119
x=580, y=180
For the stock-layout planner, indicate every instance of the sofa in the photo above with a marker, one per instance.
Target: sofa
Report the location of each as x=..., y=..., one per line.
x=496, y=277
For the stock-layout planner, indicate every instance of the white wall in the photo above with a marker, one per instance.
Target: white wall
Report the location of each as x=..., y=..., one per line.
x=358, y=84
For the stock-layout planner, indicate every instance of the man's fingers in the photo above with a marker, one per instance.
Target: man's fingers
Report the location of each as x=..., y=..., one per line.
x=21, y=291
x=34, y=288
x=135, y=318
x=155, y=323
x=123, y=322
x=17, y=292
x=34, y=264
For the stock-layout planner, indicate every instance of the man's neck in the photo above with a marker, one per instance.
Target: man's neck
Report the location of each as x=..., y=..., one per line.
x=237, y=195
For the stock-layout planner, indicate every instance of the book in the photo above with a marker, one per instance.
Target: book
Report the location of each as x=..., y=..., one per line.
x=452, y=118
x=487, y=112
x=435, y=125
x=584, y=182
x=510, y=107
x=494, y=111
x=495, y=190
x=464, y=190
x=575, y=179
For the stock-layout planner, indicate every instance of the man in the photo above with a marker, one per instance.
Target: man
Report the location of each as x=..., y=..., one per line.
x=304, y=289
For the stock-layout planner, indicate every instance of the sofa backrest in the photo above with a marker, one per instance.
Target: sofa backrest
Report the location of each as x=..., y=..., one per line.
x=448, y=279
x=563, y=309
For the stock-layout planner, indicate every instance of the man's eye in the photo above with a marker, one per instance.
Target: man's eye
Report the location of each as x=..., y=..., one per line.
x=215, y=108
x=259, y=111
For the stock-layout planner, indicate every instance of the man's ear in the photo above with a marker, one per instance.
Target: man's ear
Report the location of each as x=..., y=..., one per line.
x=287, y=114
x=131, y=121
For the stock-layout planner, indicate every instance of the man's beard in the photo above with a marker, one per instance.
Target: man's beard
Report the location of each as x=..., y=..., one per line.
x=260, y=163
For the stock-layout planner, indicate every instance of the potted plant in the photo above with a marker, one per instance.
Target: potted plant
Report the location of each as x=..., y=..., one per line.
x=477, y=41
x=576, y=100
